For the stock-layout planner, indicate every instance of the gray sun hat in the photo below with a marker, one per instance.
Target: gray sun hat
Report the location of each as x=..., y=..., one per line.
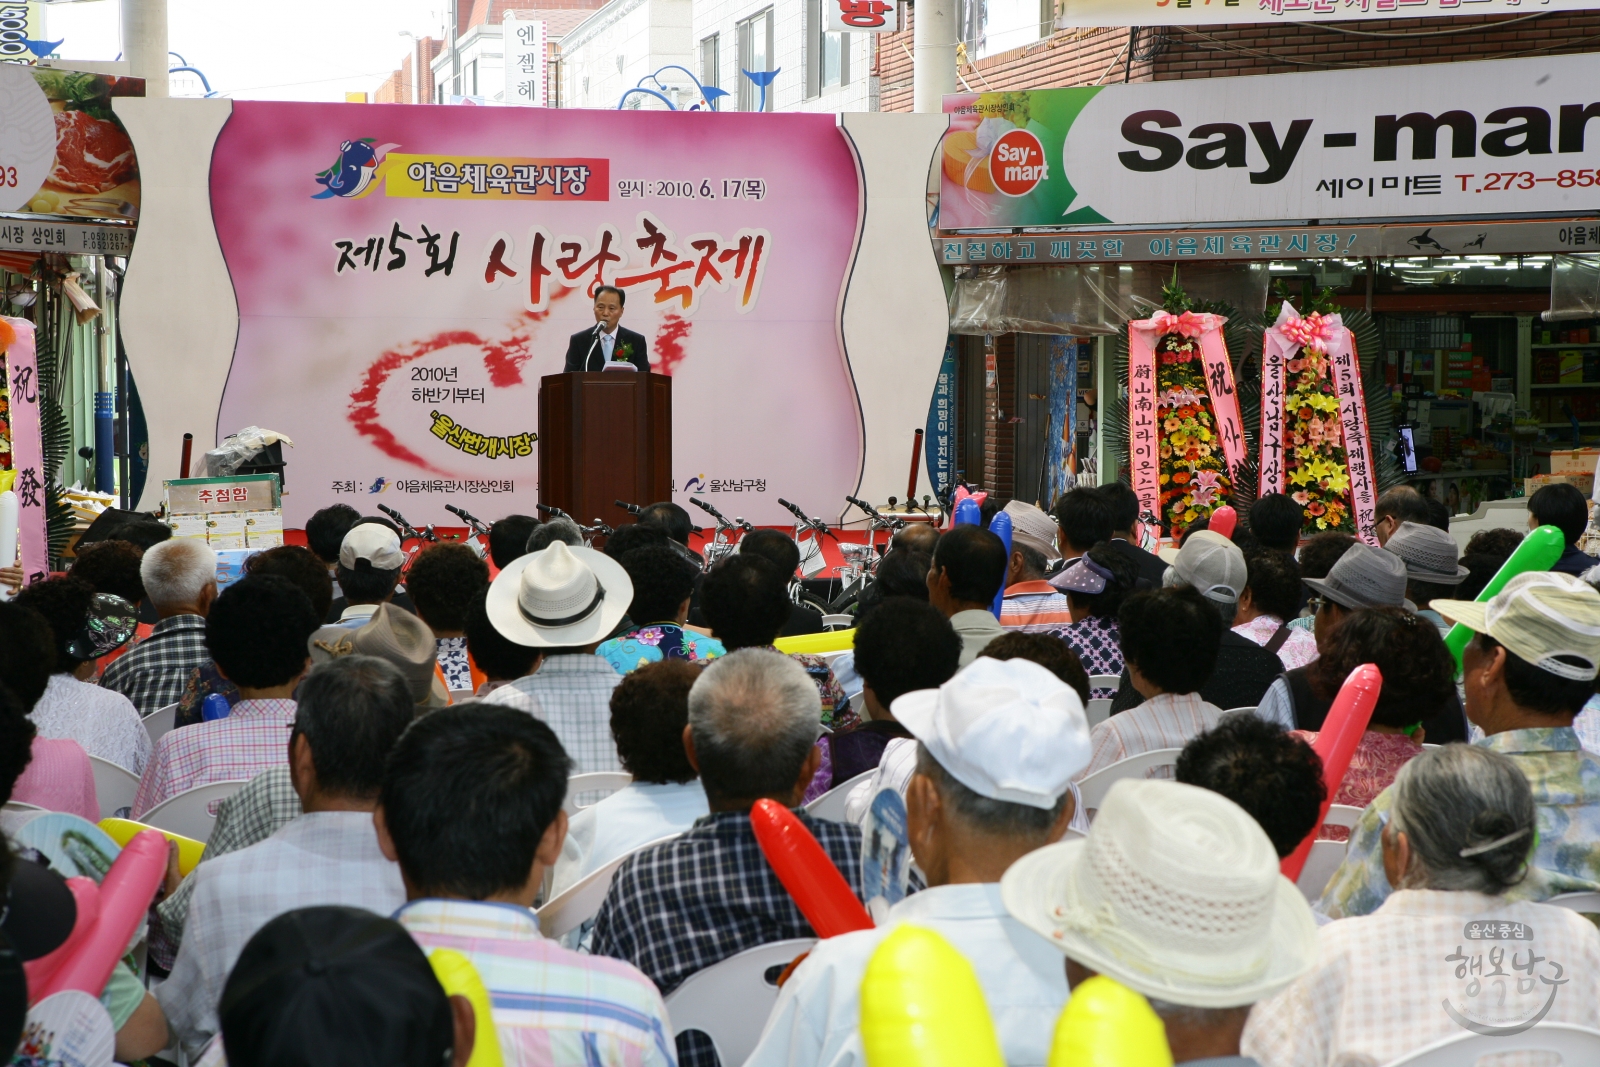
x=1430, y=554
x=1365, y=577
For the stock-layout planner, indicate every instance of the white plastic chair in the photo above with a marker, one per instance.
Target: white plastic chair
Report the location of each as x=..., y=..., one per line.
x=19, y=806
x=1104, y=681
x=1576, y=1045
x=192, y=813
x=838, y=622
x=1324, y=859
x=114, y=786
x=1247, y=707
x=1582, y=903
x=1098, y=711
x=1095, y=786
x=594, y=782
x=581, y=901
x=729, y=1001
x=1344, y=815
x=830, y=805
x=159, y=722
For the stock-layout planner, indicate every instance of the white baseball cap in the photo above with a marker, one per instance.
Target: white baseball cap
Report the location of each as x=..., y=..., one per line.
x=1212, y=564
x=559, y=596
x=373, y=542
x=1006, y=729
x=1175, y=893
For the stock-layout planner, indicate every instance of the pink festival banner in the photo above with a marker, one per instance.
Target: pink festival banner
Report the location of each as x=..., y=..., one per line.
x=406, y=274
x=27, y=453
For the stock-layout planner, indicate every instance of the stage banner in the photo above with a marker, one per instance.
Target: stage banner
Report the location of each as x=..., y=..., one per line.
x=1499, y=137
x=405, y=275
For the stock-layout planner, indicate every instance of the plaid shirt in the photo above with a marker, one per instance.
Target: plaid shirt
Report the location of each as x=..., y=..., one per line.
x=694, y=901
x=154, y=671
x=254, y=738
x=1566, y=794
x=1386, y=984
x=257, y=811
x=552, y=1007
x=571, y=694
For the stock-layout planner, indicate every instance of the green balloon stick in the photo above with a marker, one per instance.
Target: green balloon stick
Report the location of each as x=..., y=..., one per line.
x=1538, y=552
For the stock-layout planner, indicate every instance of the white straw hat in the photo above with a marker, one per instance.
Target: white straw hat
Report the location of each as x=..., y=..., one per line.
x=559, y=597
x=1175, y=893
x=1539, y=616
x=1006, y=729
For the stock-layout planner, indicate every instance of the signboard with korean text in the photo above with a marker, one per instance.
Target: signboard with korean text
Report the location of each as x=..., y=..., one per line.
x=1083, y=13
x=1503, y=137
x=861, y=16
x=525, y=46
x=405, y=276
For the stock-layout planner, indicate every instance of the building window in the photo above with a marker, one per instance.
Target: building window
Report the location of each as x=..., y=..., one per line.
x=827, y=54
x=709, y=47
x=755, y=55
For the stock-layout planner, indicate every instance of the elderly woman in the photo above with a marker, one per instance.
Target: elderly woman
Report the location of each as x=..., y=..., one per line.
x=1418, y=684
x=1096, y=584
x=1447, y=953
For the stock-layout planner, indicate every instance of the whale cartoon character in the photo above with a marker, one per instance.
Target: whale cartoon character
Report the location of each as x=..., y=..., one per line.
x=379, y=485
x=353, y=173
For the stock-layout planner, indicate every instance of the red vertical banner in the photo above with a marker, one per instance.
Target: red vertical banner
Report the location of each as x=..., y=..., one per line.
x=1142, y=428
x=27, y=451
x=1346, y=368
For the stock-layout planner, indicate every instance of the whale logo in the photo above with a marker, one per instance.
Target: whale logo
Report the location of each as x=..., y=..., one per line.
x=355, y=171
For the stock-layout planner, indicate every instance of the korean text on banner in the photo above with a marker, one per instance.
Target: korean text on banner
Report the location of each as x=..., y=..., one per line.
x=1142, y=429
x=27, y=452
x=937, y=441
x=861, y=16
x=526, y=54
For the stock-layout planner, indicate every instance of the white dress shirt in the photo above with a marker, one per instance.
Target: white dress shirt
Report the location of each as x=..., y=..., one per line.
x=1386, y=984
x=895, y=768
x=321, y=858
x=817, y=1020
x=633, y=816
x=1166, y=720
x=103, y=721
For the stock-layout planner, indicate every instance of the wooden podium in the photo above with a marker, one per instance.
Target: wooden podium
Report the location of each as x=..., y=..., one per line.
x=603, y=438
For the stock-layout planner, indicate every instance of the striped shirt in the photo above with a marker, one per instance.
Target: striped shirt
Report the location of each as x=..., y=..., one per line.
x=552, y=1007
x=253, y=738
x=1167, y=720
x=1034, y=607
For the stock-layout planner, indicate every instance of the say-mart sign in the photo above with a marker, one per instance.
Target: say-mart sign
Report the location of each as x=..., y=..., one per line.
x=1505, y=137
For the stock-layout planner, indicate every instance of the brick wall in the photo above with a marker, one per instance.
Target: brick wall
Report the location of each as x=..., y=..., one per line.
x=396, y=88
x=1099, y=56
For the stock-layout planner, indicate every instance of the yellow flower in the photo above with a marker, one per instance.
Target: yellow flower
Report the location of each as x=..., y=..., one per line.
x=1299, y=476
x=1338, y=480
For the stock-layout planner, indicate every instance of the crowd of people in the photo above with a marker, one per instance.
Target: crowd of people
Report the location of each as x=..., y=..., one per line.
x=403, y=737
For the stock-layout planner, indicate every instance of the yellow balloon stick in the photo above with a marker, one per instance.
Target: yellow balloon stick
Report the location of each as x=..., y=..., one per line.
x=1106, y=1024
x=460, y=979
x=921, y=1006
x=833, y=641
x=124, y=830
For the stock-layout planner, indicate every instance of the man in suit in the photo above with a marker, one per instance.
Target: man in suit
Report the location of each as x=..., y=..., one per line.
x=592, y=349
x=1124, y=504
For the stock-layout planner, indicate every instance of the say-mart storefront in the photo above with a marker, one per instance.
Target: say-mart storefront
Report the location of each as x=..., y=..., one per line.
x=1488, y=320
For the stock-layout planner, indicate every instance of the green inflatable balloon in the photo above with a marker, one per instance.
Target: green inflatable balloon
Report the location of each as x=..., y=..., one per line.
x=1538, y=552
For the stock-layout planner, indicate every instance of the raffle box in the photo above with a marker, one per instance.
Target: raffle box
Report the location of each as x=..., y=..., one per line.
x=229, y=514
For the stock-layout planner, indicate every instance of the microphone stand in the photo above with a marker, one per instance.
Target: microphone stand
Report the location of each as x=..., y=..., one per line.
x=599, y=328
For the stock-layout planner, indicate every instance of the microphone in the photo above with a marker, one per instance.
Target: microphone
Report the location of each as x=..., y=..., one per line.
x=477, y=524
x=555, y=513
x=631, y=509
x=400, y=520
x=893, y=501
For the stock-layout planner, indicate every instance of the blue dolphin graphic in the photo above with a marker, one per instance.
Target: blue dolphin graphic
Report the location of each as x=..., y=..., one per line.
x=352, y=173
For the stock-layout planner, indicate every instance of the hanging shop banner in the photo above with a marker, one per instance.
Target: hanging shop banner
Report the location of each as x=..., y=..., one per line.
x=1314, y=440
x=526, y=55
x=27, y=450
x=1499, y=137
x=1116, y=13
x=938, y=441
x=65, y=153
x=405, y=276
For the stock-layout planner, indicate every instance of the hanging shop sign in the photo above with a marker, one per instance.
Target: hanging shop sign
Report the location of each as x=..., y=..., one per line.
x=1080, y=13
x=23, y=232
x=1501, y=137
x=526, y=54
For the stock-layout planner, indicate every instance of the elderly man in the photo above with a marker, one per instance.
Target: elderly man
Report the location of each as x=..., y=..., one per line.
x=1111, y=905
x=564, y=601
x=969, y=566
x=1031, y=604
x=1433, y=568
x=350, y=713
x=180, y=581
x=1526, y=674
x=996, y=746
x=1241, y=670
x=1395, y=506
x=696, y=900
x=370, y=561
x=1364, y=577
